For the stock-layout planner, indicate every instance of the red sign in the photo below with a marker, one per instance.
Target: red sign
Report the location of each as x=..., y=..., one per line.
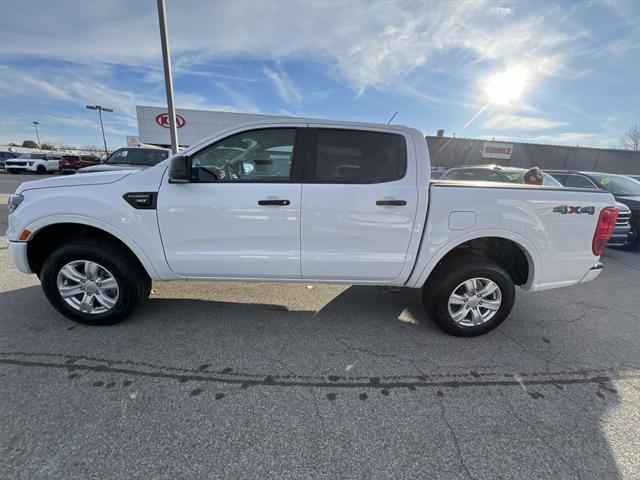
x=163, y=120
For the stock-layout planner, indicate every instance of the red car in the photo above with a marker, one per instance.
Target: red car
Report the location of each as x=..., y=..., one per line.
x=71, y=163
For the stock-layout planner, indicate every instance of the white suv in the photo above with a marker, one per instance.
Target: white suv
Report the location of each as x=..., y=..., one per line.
x=34, y=162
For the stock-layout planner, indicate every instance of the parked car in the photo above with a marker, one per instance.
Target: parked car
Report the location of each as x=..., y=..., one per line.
x=34, y=162
x=437, y=173
x=292, y=201
x=4, y=155
x=621, y=234
x=624, y=189
x=494, y=173
x=130, y=158
x=71, y=163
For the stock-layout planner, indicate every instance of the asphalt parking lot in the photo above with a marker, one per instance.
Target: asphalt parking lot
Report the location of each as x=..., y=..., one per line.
x=234, y=380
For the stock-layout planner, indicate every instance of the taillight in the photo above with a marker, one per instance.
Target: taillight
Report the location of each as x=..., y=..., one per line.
x=604, y=229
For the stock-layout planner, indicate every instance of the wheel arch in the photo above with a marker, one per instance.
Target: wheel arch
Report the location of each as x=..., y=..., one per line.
x=513, y=253
x=49, y=233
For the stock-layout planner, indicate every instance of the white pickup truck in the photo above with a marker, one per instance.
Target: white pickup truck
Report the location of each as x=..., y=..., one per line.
x=305, y=201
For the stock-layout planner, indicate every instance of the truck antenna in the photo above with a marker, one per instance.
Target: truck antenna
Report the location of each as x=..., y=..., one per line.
x=392, y=117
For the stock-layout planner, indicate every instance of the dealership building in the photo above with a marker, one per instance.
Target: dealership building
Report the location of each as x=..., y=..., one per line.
x=445, y=152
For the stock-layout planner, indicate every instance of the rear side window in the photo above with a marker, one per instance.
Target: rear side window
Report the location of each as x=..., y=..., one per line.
x=148, y=157
x=578, y=181
x=358, y=156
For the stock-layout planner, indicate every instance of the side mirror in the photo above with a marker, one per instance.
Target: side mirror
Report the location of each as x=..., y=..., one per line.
x=180, y=169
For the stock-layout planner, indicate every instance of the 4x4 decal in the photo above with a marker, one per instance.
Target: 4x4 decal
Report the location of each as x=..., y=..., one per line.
x=564, y=209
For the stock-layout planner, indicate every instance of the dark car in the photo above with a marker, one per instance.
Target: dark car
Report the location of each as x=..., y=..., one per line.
x=625, y=190
x=71, y=163
x=493, y=173
x=5, y=156
x=130, y=158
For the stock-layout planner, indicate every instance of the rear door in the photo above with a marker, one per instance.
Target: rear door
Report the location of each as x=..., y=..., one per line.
x=358, y=204
x=239, y=216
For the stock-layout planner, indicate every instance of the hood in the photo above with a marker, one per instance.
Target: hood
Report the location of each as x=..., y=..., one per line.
x=622, y=208
x=105, y=167
x=74, y=180
x=633, y=202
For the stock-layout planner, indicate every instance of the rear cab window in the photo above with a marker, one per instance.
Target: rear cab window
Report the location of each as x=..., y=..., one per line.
x=358, y=156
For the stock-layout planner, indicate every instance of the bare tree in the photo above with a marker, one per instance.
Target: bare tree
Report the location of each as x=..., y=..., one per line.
x=631, y=139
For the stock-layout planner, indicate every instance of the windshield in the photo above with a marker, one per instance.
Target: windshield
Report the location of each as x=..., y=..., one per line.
x=147, y=157
x=617, y=184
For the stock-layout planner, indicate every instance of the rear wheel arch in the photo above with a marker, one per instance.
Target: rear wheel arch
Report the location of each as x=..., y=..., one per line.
x=508, y=253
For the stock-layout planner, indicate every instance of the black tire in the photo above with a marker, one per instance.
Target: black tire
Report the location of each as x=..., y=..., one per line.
x=133, y=281
x=448, y=276
x=41, y=170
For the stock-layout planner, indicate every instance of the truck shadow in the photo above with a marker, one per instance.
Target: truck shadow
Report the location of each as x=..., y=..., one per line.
x=553, y=384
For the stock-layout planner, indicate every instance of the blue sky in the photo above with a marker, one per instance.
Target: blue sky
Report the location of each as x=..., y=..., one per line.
x=564, y=73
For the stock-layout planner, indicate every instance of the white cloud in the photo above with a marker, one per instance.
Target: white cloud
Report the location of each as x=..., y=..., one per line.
x=500, y=11
x=364, y=44
x=501, y=121
x=284, y=86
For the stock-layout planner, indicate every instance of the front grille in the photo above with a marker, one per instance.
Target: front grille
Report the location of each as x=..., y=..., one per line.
x=623, y=219
x=17, y=164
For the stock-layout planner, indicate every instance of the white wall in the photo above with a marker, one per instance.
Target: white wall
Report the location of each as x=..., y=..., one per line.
x=198, y=124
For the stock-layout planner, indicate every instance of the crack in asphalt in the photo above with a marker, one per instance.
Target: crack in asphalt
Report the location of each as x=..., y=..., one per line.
x=463, y=464
x=225, y=376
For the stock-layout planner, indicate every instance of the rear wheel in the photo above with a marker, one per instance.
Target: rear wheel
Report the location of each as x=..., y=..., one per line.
x=95, y=283
x=469, y=296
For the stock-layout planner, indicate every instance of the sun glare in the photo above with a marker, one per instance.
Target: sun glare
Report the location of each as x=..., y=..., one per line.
x=506, y=87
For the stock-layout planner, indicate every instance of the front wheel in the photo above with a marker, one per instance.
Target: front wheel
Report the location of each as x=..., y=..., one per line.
x=41, y=170
x=95, y=283
x=469, y=296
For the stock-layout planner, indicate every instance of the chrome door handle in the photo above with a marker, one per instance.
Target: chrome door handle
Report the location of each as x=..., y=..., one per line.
x=279, y=203
x=391, y=203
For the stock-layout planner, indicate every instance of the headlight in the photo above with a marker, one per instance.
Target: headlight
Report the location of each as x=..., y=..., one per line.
x=30, y=163
x=14, y=201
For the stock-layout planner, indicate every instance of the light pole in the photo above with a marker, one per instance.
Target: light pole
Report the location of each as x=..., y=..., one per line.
x=168, y=80
x=101, y=109
x=35, y=125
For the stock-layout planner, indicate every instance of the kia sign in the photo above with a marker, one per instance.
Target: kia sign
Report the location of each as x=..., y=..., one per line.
x=163, y=120
x=498, y=150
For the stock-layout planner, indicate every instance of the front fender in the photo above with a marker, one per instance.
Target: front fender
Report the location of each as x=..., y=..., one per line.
x=38, y=224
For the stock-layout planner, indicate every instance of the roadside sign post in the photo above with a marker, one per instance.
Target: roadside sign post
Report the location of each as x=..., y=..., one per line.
x=168, y=80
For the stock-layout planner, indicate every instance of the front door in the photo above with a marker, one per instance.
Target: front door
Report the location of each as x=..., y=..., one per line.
x=239, y=216
x=358, y=205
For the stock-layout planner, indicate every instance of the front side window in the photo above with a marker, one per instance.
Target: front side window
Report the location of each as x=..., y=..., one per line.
x=252, y=156
x=357, y=156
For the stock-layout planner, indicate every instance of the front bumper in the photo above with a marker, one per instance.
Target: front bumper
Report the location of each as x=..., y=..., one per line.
x=18, y=253
x=592, y=273
x=619, y=236
x=20, y=168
